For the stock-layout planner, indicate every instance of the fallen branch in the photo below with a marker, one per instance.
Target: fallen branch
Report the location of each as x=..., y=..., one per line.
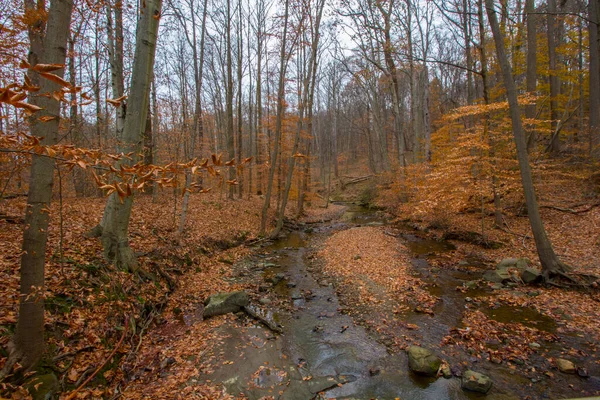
x=582, y=211
x=74, y=393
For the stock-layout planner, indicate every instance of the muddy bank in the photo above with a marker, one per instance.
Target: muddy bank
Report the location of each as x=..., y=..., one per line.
x=335, y=347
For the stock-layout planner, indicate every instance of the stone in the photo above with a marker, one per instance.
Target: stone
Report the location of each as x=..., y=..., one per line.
x=422, y=361
x=476, y=382
x=470, y=284
x=264, y=301
x=565, y=366
x=276, y=278
x=292, y=284
x=534, y=345
x=530, y=275
x=42, y=387
x=224, y=303
x=497, y=276
x=507, y=263
x=446, y=371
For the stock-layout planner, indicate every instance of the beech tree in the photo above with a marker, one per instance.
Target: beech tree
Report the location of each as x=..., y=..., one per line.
x=115, y=221
x=48, y=44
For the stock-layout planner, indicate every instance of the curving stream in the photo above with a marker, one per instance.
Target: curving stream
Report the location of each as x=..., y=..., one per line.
x=322, y=354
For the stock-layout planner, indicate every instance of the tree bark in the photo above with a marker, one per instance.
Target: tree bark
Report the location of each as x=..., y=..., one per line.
x=48, y=45
x=594, y=79
x=115, y=222
x=555, y=144
x=551, y=265
x=531, y=73
x=278, y=119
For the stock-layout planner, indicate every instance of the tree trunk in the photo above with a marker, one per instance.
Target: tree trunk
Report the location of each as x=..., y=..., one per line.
x=531, y=74
x=115, y=222
x=551, y=265
x=594, y=71
x=278, y=119
x=555, y=144
x=27, y=345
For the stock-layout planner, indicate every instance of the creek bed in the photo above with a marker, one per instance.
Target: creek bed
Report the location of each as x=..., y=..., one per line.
x=324, y=354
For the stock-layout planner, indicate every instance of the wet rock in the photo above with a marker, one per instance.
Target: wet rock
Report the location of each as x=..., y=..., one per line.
x=530, y=275
x=470, y=284
x=582, y=372
x=422, y=361
x=292, y=284
x=476, y=382
x=446, y=371
x=276, y=278
x=296, y=295
x=42, y=387
x=565, y=366
x=223, y=303
x=263, y=288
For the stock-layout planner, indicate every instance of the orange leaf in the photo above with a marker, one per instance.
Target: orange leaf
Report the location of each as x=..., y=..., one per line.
x=47, y=118
x=55, y=79
x=47, y=67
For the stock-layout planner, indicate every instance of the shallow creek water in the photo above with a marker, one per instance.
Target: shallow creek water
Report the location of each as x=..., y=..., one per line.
x=322, y=354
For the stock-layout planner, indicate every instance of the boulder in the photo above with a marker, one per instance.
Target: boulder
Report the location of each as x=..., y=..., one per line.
x=224, y=303
x=518, y=263
x=565, y=366
x=42, y=387
x=476, y=382
x=423, y=361
x=497, y=276
x=530, y=275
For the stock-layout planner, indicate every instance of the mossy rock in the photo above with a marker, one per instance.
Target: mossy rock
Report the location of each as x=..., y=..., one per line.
x=42, y=387
x=422, y=361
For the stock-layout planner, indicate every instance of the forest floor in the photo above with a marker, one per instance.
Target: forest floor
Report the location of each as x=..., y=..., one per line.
x=376, y=280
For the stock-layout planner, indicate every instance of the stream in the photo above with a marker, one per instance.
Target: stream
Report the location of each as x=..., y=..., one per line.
x=324, y=353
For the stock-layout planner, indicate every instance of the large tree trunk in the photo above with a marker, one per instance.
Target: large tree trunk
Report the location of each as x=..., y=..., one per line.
x=49, y=47
x=594, y=70
x=551, y=265
x=115, y=222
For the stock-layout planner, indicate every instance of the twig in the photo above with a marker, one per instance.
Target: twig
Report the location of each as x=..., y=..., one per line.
x=72, y=395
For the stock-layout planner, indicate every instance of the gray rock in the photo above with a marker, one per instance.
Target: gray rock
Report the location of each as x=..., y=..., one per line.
x=423, y=361
x=530, y=275
x=277, y=278
x=264, y=300
x=42, y=387
x=476, y=382
x=534, y=345
x=518, y=263
x=446, y=371
x=497, y=276
x=223, y=303
x=291, y=284
x=565, y=366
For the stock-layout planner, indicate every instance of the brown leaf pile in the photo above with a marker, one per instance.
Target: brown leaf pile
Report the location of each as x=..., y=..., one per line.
x=366, y=255
x=87, y=301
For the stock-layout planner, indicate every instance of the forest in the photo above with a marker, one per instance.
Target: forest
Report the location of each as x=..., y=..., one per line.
x=299, y=199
